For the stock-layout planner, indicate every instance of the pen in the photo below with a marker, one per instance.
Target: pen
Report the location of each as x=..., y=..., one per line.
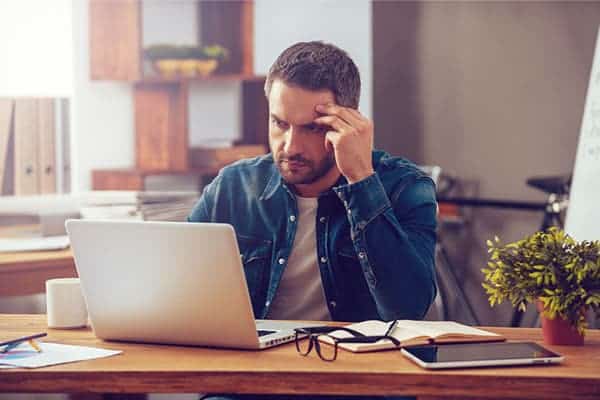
x=11, y=344
x=391, y=327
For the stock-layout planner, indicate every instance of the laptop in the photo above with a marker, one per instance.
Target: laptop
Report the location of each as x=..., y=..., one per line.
x=169, y=282
x=467, y=355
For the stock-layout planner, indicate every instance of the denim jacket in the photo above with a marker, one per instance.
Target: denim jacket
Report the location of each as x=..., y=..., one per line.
x=375, y=238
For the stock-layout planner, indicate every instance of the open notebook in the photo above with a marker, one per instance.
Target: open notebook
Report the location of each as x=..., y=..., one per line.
x=410, y=332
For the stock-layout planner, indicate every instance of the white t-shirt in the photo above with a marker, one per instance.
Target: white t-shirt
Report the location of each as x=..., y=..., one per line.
x=300, y=294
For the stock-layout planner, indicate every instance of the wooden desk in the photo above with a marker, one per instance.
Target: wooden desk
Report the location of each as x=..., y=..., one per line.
x=23, y=273
x=26, y=272
x=170, y=369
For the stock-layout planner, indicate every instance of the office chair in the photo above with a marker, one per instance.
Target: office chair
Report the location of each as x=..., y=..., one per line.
x=448, y=282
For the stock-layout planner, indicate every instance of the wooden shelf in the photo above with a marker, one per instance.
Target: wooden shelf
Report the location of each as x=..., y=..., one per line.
x=134, y=179
x=161, y=105
x=115, y=40
x=116, y=37
x=144, y=173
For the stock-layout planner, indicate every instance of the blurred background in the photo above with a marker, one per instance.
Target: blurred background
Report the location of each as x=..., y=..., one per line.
x=157, y=95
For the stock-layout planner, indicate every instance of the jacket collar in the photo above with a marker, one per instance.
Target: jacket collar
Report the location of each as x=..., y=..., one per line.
x=276, y=182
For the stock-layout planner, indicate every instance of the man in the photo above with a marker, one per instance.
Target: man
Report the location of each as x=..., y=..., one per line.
x=327, y=227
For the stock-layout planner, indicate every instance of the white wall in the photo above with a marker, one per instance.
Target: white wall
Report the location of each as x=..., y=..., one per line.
x=344, y=23
x=214, y=113
x=35, y=38
x=169, y=22
x=101, y=113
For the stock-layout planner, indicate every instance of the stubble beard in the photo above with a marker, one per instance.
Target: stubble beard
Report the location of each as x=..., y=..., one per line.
x=309, y=173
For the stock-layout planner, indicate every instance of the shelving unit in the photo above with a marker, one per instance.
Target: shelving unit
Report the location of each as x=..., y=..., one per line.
x=161, y=104
x=134, y=179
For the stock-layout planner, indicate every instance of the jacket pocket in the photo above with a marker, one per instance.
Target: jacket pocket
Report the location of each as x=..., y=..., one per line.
x=354, y=263
x=352, y=281
x=346, y=251
x=255, y=254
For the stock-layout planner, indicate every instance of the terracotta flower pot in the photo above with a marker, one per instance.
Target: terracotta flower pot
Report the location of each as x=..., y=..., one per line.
x=187, y=68
x=559, y=331
x=168, y=68
x=206, y=67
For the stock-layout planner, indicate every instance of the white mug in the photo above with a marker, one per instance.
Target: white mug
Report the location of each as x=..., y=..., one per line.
x=65, y=306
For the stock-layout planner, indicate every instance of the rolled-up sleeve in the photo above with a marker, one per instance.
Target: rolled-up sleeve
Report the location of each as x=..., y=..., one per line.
x=394, y=237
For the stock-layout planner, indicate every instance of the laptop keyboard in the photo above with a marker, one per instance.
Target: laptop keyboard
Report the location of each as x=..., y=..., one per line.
x=264, y=332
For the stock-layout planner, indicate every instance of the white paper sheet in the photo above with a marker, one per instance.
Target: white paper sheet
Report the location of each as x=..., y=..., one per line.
x=24, y=356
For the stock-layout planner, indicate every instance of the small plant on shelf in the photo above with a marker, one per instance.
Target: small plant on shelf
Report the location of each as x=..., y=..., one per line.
x=165, y=58
x=164, y=52
x=216, y=52
x=189, y=61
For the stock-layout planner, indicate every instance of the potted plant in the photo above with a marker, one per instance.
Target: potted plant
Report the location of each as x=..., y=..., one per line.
x=216, y=52
x=189, y=62
x=209, y=57
x=165, y=58
x=170, y=60
x=550, y=268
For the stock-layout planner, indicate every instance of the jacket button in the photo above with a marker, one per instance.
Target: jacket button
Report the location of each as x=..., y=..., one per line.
x=361, y=255
x=322, y=220
x=333, y=304
x=292, y=218
x=281, y=261
x=323, y=260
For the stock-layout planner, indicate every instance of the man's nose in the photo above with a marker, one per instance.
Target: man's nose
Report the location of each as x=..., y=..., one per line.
x=293, y=142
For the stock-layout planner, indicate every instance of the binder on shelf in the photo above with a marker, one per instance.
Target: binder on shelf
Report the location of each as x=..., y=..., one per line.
x=26, y=147
x=6, y=113
x=47, y=146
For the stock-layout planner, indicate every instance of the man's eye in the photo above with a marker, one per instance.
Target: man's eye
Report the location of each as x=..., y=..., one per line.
x=279, y=124
x=317, y=128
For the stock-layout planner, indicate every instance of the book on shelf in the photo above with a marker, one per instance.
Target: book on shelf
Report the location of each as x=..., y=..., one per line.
x=411, y=332
x=6, y=115
x=115, y=212
x=147, y=206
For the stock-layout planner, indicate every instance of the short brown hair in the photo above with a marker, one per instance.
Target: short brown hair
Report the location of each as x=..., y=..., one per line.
x=316, y=66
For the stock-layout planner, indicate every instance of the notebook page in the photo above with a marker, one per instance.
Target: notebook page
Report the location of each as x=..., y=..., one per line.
x=438, y=328
x=378, y=328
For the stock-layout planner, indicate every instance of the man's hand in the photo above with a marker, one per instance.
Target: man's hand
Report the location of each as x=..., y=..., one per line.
x=351, y=136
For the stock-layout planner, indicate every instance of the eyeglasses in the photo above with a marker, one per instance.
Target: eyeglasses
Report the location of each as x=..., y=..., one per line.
x=329, y=352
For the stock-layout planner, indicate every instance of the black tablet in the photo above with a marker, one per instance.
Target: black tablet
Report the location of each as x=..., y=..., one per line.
x=480, y=355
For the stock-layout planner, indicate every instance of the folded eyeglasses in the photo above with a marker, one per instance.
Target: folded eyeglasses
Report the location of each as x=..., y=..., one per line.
x=328, y=352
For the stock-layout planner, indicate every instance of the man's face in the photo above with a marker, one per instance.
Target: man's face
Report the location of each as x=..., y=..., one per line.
x=297, y=143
